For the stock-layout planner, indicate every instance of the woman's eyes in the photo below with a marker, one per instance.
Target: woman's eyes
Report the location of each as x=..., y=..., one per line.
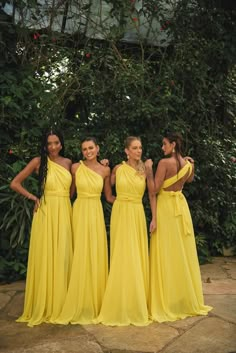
x=55, y=143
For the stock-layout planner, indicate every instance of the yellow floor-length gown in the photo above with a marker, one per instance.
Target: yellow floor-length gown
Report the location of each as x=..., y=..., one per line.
x=125, y=299
x=175, y=280
x=50, y=253
x=90, y=261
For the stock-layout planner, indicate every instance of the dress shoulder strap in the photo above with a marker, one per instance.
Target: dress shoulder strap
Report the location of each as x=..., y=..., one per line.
x=187, y=169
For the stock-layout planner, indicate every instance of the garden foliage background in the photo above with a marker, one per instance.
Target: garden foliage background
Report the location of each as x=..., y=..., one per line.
x=179, y=74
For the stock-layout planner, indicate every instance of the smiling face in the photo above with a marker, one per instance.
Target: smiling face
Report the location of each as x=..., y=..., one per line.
x=89, y=150
x=54, y=145
x=167, y=146
x=134, y=151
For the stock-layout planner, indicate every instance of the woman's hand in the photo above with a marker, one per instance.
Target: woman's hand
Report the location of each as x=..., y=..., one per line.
x=152, y=226
x=36, y=205
x=190, y=159
x=36, y=202
x=105, y=162
x=148, y=163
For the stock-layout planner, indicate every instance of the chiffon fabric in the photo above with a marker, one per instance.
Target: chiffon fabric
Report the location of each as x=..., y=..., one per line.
x=50, y=253
x=90, y=261
x=175, y=280
x=125, y=298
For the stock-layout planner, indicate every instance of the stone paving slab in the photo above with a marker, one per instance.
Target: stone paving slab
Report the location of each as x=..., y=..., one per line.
x=15, y=286
x=215, y=270
x=211, y=335
x=132, y=337
x=4, y=299
x=15, y=307
x=214, y=333
x=59, y=346
x=223, y=306
x=46, y=338
x=230, y=269
x=225, y=286
x=65, y=346
x=185, y=324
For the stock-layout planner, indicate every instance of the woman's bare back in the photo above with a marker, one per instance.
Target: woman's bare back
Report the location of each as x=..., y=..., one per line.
x=172, y=169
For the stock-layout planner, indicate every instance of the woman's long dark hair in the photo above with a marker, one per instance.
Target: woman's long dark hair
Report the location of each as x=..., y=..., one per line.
x=177, y=138
x=43, y=168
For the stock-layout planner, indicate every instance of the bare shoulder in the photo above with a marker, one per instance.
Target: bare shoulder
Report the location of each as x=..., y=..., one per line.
x=163, y=162
x=74, y=167
x=67, y=162
x=106, y=170
x=115, y=168
x=35, y=162
x=31, y=167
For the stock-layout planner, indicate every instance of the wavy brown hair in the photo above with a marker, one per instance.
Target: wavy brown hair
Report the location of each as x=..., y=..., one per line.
x=127, y=143
x=178, y=139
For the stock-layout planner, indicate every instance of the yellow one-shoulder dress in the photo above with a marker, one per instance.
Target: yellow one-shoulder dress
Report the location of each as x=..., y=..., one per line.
x=50, y=252
x=175, y=280
x=90, y=261
x=125, y=298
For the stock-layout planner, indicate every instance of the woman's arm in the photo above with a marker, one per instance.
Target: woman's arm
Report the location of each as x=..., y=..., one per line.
x=153, y=206
x=151, y=193
x=107, y=187
x=149, y=174
x=191, y=176
x=160, y=175
x=16, y=183
x=74, y=168
x=113, y=174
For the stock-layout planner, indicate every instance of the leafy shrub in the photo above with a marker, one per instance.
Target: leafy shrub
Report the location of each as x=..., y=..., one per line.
x=15, y=226
x=110, y=88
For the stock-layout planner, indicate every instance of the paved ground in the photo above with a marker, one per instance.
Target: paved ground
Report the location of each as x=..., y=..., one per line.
x=215, y=333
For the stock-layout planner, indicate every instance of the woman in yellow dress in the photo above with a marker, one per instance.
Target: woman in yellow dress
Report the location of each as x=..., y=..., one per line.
x=50, y=251
x=175, y=280
x=90, y=263
x=125, y=298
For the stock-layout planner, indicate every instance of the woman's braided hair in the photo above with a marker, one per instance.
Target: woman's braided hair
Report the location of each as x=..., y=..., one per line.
x=43, y=168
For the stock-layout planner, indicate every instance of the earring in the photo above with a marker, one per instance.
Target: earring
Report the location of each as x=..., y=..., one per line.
x=173, y=151
x=127, y=156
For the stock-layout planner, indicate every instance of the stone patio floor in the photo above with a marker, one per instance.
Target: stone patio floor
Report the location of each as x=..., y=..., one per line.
x=215, y=333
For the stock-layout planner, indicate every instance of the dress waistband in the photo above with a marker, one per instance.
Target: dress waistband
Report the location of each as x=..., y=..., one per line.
x=128, y=198
x=89, y=196
x=171, y=193
x=61, y=193
x=178, y=208
x=178, y=196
